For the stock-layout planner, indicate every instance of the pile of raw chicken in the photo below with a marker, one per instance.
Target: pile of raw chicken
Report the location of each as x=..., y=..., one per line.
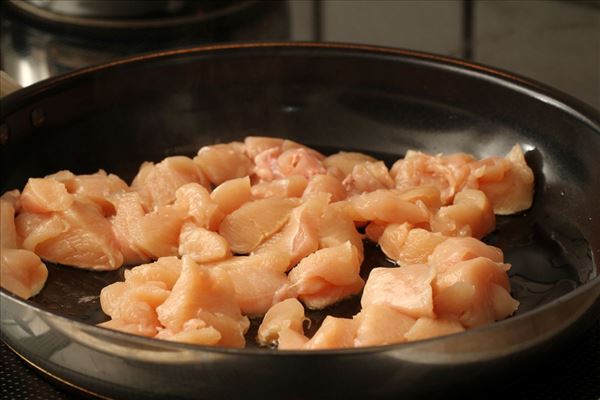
x=267, y=227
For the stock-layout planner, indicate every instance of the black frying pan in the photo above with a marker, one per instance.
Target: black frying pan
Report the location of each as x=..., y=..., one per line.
x=333, y=97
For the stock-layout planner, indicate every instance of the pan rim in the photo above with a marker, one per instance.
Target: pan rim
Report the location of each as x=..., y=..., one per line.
x=576, y=108
x=566, y=102
x=148, y=341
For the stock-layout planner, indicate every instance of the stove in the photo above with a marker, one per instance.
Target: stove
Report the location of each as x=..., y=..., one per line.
x=42, y=38
x=554, y=42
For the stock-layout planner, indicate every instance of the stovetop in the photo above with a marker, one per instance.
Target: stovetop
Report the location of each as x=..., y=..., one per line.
x=553, y=42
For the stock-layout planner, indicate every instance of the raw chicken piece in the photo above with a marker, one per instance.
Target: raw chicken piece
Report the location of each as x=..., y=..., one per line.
x=448, y=173
x=194, y=331
x=13, y=197
x=222, y=162
x=134, y=328
x=470, y=215
x=145, y=236
x=408, y=246
x=157, y=183
x=291, y=145
x=328, y=294
x=379, y=325
x=205, y=294
x=8, y=231
x=165, y=270
x=454, y=250
x=111, y=296
x=254, y=222
x=254, y=145
x=200, y=206
x=406, y=289
x=97, y=188
x=299, y=237
x=326, y=184
x=275, y=261
x=288, y=314
x=22, y=272
x=38, y=228
x=258, y=280
x=157, y=233
x=374, y=230
x=132, y=308
x=429, y=195
x=344, y=162
x=334, y=333
x=291, y=186
x=125, y=224
x=231, y=194
x=43, y=195
x=335, y=228
x=426, y=328
x=132, y=304
x=385, y=206
x=301, y=161
x=454, y=299
x=79, y=236
x=492, y=169
x=476, y=271
x=367, y=177
x=153, y=293
x=327, y=276
x=507, y=182
x=503, y=304
x=256, y=289
x=276, y=163
x=511, y=190
x=61, y=176
x=265, y=165
x=201, y=244
x=391, y=238
x=291, y=340
x=481, y=273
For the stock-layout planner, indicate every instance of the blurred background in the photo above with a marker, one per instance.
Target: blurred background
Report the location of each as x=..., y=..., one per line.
x=554, y=42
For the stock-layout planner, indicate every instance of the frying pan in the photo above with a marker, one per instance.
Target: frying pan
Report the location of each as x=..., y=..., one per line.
x=334, y=97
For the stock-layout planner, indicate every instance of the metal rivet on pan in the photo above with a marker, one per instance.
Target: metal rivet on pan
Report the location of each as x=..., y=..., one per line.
x=38, y=117
x=4, y=135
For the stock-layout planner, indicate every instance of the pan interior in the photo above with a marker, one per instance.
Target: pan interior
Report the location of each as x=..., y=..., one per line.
x=116, y=119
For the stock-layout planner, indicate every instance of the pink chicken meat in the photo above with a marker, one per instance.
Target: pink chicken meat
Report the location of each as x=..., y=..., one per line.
x=266, y=227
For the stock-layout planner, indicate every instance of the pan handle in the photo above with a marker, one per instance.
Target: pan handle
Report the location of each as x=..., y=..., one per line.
x=7, y=84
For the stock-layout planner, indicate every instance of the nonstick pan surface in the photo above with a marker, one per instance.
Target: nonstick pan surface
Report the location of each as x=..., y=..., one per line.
x=332, y=97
